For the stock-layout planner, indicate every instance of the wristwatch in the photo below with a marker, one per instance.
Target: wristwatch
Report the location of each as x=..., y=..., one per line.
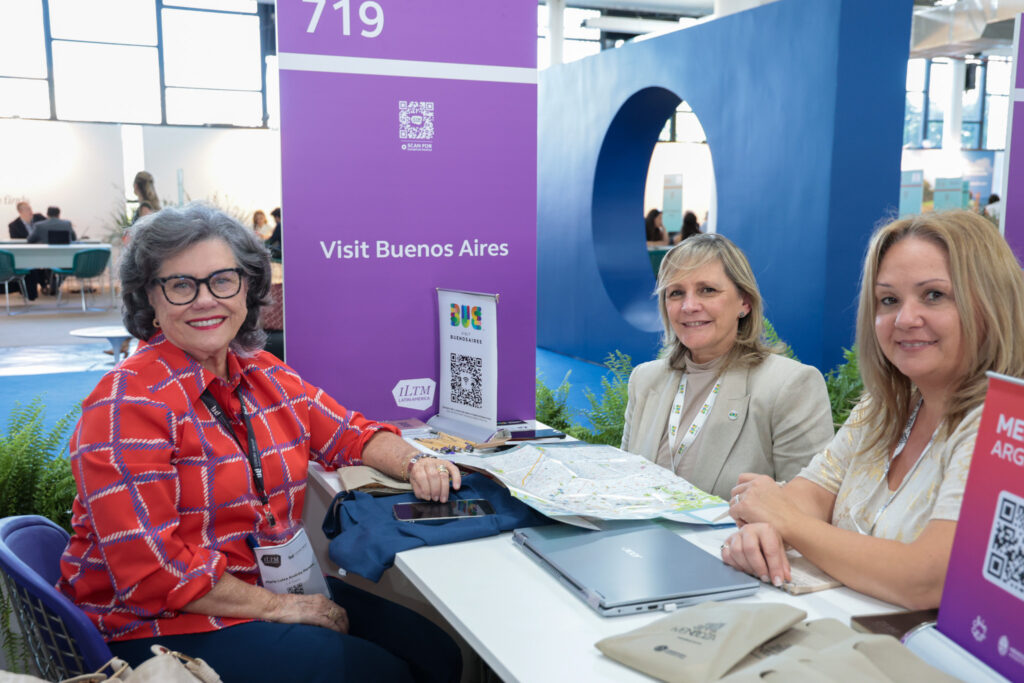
x=412, y=461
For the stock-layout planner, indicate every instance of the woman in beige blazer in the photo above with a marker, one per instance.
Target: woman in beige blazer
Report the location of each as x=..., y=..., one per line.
x=720, y=402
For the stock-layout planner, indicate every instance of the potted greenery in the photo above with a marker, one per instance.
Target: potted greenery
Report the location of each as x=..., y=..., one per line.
x=35, y=478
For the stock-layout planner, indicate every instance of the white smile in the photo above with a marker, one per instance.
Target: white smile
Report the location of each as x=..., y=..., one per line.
x=915, y=344
x=699, y=323
x=207, y=323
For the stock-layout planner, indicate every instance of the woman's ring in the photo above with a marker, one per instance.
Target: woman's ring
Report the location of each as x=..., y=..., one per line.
x=441, y=469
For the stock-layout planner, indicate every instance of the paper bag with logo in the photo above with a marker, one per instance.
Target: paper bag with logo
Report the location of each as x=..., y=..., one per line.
x=859, y=659
x=813, y=635
x=700, y=643
x=889, y=657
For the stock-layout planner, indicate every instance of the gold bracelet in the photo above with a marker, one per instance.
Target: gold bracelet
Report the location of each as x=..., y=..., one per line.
x=412, y=461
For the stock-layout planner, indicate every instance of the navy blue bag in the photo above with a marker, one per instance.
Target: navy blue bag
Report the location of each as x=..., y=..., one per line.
x=365, y=536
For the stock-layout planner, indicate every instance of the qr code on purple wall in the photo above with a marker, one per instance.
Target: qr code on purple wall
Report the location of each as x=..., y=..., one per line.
x=467, y=379
x=415, y=120
x=1004, y=558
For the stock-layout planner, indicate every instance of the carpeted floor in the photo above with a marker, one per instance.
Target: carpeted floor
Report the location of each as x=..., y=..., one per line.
x=61, y=393
x=581, y=375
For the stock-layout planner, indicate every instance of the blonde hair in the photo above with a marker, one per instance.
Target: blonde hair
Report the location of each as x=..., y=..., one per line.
x=694, y=252
x=146, y=189
x=988, y=289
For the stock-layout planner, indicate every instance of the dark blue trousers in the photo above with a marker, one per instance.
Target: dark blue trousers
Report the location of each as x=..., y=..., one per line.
x=386, y=642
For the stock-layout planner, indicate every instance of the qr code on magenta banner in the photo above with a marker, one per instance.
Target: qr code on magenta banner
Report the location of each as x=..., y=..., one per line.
x=1004, y=559
x=467, y=377
x=415, y=120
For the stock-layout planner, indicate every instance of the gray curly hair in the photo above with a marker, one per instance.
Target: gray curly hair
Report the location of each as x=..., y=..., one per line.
x=165, y=234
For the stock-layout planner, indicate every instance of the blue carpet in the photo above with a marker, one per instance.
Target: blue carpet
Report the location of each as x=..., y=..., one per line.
x=64, y=390
x=61, y=393
x=552, y=368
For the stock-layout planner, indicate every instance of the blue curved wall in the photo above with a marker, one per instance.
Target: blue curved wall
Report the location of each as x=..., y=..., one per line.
x=802, y=104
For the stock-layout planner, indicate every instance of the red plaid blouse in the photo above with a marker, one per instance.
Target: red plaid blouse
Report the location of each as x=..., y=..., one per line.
x=166, y=500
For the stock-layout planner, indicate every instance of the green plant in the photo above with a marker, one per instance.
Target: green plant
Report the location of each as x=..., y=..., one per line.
x=35, y=478
x=119, y=221
x=35, y=475
x=844, y=386
x=771, y=337
x=553, y=406
x=607, y=413
x=225, y=204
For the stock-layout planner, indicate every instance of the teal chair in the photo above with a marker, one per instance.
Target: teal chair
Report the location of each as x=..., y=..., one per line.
x=87, y=264
x=9, y=274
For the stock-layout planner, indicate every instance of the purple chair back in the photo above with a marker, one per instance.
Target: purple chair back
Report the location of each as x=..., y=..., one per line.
x=63, y=641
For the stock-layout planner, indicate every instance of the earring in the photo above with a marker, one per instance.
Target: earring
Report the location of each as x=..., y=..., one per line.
x=156, y=323
x=743, y=314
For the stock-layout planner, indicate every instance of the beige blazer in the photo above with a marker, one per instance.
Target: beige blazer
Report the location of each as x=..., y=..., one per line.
x=770, y=419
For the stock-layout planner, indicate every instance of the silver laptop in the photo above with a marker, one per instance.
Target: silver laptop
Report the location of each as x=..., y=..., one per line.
x=632, y=570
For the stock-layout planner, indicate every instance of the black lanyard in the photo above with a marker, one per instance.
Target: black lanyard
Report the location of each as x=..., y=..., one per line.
x=253, y=454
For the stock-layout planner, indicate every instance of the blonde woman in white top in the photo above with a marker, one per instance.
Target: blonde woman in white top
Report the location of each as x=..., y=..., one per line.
x=941, y=303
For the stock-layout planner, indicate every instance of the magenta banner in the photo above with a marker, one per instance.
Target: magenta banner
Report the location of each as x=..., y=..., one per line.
x=984, y=591
x=408, y=145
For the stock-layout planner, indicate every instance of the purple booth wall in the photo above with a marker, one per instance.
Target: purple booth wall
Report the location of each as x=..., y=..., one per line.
x=403, y=176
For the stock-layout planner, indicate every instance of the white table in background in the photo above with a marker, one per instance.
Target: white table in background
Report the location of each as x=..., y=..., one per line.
x=28, y=256
x=117, y=335
x=525, y=624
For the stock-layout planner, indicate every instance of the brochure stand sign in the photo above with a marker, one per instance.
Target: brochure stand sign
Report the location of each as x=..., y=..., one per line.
x=911, y=192
x=983, y=597
x=468, y=391
x=948, y=194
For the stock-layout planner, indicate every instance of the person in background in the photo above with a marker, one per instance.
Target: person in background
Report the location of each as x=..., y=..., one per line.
x=43, y=230
x=941, y=304
x=145, y=192
x=37, y=279
x=21, y=226
x=274, y=241
x=993, y=208
x=184, y=460
x=720, y=402
x=656, y=235
x=690, y=226
x=52, y=230
x=143, y=210
x=260, y=225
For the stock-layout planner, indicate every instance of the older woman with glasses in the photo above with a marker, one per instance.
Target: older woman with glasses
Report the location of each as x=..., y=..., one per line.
x=191, y=455
x=941, y=304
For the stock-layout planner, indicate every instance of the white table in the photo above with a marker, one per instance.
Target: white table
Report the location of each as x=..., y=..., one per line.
x=525, y=624
x=48, y=255
x=28, y=256
x=117, y=335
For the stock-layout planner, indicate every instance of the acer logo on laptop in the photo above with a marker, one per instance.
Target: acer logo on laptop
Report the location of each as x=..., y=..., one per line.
x=631, y=552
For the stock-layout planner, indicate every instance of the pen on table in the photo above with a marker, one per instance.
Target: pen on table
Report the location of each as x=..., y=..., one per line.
x=721, y=516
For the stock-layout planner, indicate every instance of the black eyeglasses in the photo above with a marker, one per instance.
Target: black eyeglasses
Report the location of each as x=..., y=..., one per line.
x=181, y=290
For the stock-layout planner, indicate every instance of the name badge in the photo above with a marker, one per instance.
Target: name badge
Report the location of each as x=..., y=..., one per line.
x=291, y=567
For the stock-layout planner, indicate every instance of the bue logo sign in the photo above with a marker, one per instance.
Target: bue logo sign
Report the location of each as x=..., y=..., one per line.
x=466, y=316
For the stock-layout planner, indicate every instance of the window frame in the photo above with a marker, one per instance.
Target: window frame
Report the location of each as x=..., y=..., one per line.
x=265, y=17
